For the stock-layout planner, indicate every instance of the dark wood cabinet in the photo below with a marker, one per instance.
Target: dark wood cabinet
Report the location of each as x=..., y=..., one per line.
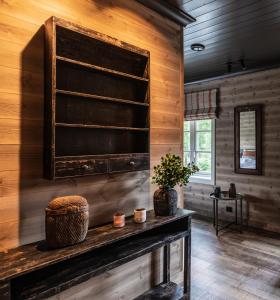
x=97, y=103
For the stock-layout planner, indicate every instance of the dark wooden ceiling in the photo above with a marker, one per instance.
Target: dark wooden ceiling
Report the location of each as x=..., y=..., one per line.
x=230, y=30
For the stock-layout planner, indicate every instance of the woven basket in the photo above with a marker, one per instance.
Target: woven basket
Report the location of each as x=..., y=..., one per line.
x=66, y=221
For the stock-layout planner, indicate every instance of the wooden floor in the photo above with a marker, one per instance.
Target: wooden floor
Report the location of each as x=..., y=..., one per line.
x=234, y=266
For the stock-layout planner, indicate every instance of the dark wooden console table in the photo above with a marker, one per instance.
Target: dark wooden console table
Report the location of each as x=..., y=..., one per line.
x=34, y=272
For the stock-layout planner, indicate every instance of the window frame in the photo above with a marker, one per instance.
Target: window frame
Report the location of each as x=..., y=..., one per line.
x=198, y=178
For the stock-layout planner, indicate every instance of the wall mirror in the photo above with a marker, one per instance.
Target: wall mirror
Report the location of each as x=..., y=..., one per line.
x=248, y=136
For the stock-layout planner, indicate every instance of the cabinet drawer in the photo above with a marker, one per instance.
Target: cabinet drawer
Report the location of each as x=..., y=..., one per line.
x=81, y=167
x=129, y=163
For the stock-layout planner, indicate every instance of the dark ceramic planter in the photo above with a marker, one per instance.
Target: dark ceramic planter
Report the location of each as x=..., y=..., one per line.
x=165, y=202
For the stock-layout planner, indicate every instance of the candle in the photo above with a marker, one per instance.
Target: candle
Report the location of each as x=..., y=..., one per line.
x=140, y=215
x=119, y=220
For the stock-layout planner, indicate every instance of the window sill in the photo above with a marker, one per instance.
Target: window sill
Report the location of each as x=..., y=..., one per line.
x=201, y=180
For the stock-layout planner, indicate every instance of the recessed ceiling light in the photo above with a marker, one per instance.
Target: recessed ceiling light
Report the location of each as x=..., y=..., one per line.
x=197, y=47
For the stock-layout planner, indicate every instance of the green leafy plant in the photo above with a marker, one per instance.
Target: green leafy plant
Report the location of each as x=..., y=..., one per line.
x=171, y=172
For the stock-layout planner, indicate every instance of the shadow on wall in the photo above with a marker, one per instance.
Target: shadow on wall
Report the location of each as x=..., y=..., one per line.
x=146, y=16
x=31, y=138
x=261, y=209
x=106, y=194
x=197, y=198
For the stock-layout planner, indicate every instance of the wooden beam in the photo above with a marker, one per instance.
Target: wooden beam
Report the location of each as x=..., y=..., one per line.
x=177, y=15
x=234, y=74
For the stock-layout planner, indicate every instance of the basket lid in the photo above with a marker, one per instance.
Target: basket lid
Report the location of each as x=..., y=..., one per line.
x=67, y=204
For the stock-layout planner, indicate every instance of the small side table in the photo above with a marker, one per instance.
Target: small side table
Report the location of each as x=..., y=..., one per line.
x=239, y=197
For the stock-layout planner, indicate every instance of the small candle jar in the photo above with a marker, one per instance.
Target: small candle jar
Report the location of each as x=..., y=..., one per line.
x=139, y=215
x=119, y=220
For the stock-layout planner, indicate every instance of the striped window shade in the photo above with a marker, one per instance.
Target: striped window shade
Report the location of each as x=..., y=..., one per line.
x=201, y=105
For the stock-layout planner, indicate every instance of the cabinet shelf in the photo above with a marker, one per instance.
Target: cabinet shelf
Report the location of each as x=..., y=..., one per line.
x=100, y=69
x=100, y=50
x=99, y=127
x=96, y=97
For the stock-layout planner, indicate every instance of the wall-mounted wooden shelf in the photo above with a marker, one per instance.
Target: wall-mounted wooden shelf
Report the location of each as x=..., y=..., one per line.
x=97, y=102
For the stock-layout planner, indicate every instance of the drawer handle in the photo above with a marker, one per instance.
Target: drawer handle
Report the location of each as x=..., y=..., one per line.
x=132, y=163
x=86, y=167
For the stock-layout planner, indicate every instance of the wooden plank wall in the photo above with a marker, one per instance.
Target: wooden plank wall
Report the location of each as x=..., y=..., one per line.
x=23, y=192
x=263, y=192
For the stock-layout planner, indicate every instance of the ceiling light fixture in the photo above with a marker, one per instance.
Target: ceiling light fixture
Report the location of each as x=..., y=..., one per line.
x=197, y=47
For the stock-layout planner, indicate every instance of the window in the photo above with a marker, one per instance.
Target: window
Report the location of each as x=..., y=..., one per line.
x=199, y=146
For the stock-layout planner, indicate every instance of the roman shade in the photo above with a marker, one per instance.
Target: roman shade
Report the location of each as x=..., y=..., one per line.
x=201, y=105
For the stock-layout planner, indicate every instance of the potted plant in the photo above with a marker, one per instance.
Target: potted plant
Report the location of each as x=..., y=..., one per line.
x=167, y=175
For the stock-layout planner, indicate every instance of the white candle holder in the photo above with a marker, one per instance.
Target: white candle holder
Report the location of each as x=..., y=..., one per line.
x=140, y=215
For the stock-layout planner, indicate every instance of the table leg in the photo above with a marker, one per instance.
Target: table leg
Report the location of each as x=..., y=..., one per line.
x=5, y=290
x=241, y=215
x=217, y=217
x=236, y=211
x=166, y=263
x=187, y=266
x=214, y=213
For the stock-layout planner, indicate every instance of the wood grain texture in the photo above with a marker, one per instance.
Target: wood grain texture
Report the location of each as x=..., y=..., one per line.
x=234, y=266
x=168, y=290
x=262, y=192
x=38, y=272
x=23, y=192
x=36, y=256
x=227, y=40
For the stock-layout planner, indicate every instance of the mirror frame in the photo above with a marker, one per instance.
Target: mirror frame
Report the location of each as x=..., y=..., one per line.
x=237, y=110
